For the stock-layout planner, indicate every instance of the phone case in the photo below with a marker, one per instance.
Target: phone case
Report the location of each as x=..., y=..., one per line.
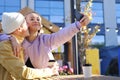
x=78, y=15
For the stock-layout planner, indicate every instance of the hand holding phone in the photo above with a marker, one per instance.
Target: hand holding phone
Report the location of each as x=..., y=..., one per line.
x=78, y=15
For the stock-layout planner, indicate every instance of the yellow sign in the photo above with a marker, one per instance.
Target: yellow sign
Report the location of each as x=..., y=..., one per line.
x=92, y=56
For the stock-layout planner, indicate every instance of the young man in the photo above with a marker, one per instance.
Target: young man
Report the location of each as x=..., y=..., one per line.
x=12, y=67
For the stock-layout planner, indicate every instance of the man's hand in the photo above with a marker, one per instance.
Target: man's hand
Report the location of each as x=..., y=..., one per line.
x=16, y=46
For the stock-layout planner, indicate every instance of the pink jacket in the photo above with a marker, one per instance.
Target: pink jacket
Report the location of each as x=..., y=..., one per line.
x=39, y=51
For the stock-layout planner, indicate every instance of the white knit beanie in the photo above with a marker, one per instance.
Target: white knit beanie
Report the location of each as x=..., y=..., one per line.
x=11, y=21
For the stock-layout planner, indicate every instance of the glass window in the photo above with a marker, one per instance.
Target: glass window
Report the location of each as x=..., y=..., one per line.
x=97, y=19
x=117, y=1
x=0, y=17
x=12, y=9
x=2, y=2
x=97, y=6
x=57, y=19
x=97, y=11
x=53, y=10
x=118, y=18
x=43, y=11
x=12, y=3
x=118, y=12
x=9, y=6
x=56, y=4
x=98, y=39
x=1, y=9
x=42, y=4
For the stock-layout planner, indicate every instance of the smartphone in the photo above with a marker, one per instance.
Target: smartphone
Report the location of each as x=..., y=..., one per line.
x=78, y=15
x=51, y=62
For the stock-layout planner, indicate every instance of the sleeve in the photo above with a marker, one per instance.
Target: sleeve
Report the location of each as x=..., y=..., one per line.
x=4, y=37
x=17, y=68
x=57, y=39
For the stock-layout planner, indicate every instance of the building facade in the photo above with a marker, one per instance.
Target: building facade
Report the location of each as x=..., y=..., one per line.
x=54, y=11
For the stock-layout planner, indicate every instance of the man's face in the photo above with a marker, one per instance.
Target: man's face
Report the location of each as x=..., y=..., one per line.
x=24, y=29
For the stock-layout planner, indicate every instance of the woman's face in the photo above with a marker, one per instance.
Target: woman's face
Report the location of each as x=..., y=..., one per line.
x=33, y=21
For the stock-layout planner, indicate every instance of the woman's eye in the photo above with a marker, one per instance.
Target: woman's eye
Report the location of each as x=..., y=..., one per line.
x=38, y=19
x=31, y=19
